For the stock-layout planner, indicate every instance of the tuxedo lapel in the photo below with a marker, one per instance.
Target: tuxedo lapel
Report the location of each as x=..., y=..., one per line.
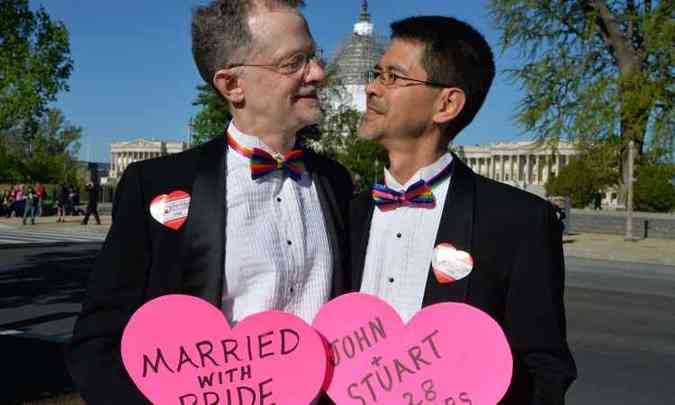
x=361, y=214
x=332, y=218
x=456, y=228
x=203, y=248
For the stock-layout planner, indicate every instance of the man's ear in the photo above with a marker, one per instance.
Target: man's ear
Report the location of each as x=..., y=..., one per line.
x=229, y=86
x=450, y=103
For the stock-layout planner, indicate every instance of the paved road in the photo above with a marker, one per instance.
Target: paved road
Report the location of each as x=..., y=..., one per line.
x=41, y=288
x=621, y=320
x=35, y=235
x=621, y=328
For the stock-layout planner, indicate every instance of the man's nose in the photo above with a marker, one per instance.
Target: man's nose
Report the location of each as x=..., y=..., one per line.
x=316, y=72
x=373, y=89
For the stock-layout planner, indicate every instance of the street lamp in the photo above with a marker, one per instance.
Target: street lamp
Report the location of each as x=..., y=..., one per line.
x=190, y=127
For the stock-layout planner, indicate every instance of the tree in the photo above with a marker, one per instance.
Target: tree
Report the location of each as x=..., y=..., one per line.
x=594, y=70
x=336, y=136
x=211, y=121
x=589, y=172
x=9, y=166
x=48, y=156
x=34, y=65
x=654, y=191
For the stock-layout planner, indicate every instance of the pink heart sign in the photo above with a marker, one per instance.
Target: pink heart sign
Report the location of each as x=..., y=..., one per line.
x=180, y=349
x=447, y=354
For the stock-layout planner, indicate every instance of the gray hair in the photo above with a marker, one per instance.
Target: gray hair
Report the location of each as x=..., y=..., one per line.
x=220, y=32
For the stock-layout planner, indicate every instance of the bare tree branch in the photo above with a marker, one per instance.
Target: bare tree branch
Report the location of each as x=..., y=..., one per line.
x=626, y=56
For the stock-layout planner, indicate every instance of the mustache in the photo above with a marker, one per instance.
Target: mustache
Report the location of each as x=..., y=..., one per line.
x=371, y=105
x=306, y=91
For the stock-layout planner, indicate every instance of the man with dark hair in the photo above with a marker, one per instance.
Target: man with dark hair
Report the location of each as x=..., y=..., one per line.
x=249, y=221
x=434, y=231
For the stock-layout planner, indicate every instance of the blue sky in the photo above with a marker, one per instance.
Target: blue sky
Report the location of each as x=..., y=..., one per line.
x=134, y=75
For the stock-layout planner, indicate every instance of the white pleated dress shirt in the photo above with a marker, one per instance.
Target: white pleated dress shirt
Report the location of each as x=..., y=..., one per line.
x=277, y=254
x=401, y=243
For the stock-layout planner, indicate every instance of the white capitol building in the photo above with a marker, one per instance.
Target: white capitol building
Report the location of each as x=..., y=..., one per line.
x=125, y=153
x=521, y=164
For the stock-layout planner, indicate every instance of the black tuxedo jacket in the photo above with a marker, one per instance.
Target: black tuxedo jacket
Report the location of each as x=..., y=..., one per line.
x=515, y=240
x=142, y=259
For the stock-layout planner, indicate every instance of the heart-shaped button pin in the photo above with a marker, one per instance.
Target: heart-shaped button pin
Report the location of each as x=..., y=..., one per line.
x=448, y=353
x=180, y=349
x=171, y=210
x=450, y=264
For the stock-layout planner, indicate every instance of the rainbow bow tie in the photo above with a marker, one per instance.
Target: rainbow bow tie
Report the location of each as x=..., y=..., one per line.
x=263, y=163
x=417, y=195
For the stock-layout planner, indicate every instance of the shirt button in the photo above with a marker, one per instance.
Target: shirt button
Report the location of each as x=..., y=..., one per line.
x=398, y=235
x=391, y=280
x=292, y=290
x=278, y=199
x=289, y=242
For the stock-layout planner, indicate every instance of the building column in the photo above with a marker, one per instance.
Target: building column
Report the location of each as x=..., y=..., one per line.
x=542, y=164
x=557, y=164
x=518, y=168
x=511, y=163
x=528, y=174
x=493, y=159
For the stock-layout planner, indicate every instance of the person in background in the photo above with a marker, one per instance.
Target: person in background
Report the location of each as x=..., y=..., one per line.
x=92, y=203
x=41, y=194
x=18, y=201
x=61, y=204
x=76, y=201
x=30, y=205
x=3, y=202
x=9, y=201
x=70, y=202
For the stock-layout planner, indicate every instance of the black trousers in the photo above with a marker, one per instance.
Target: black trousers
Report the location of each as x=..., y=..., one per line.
x=91, y=210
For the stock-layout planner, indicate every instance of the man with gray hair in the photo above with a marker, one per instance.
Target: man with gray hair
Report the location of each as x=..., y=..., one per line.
x=261, y=220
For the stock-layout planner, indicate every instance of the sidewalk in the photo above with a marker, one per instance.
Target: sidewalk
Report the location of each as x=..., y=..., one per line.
x=49, y=223
x=586, y=245
x=614, y=247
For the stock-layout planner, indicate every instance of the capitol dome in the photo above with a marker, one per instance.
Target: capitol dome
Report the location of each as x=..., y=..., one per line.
x=360, y=52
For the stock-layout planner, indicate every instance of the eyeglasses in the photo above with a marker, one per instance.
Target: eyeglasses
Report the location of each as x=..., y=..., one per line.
x=290, y=65
x=389, y=79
